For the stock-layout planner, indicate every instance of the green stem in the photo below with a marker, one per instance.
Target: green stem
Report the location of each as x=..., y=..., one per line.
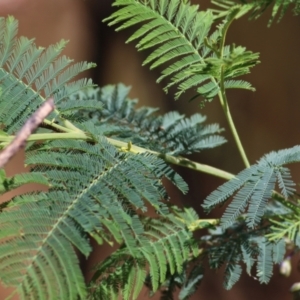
x=225, y=106
x=184, y=162
x=59, y=127
x=202, y=223
x=70, y=126
x=175, y=160
x=127, y=147
x=49, y=136
x=223, y=98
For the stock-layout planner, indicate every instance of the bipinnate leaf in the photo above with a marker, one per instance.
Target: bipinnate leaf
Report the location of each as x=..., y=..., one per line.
x=178, y=37
x=30, y=74
x=253, y=188
x=171, y=133
x=165, y=246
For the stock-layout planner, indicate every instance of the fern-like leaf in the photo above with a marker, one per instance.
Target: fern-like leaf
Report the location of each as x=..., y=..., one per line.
x=262, y=193
x=10, y=183
x=178, y=36
x=93, y=190
x=171, y=133
x=191, y=283
x=258, y=7
x=29, y=75
x=232, y=275
x=186, y=282
x=278, y=251
x=288, y=227
x=248, y=257
x=233, y=246
x=254, y=187
x=165, y=246
x=227, y=189
x=264, y=262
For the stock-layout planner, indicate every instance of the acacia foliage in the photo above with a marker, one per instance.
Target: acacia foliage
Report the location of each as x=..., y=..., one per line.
x=99, y=156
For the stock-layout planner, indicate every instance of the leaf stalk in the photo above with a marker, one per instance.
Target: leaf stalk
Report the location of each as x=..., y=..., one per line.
x=78, y=134
x=223, y=98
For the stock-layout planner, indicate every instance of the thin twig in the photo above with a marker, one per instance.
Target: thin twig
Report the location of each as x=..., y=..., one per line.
x=30, y=125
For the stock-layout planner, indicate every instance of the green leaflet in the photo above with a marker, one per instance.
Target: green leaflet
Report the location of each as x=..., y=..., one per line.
x=264, y=262
x=178, y=36
x=191, y=282
x=232, y=275
x=10, y=183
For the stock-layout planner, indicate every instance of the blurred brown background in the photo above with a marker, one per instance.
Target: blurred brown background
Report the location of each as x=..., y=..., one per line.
x=266, y=120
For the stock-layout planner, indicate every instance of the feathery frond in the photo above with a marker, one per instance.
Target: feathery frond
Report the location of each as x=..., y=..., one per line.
x=232, y=275
x=254, y=187
x=191, y=282
x=286, y=226
x=264, y=261
x=278, y=251
x=186, y=282
x=180, y=42
x=10, y=183
x=94, y=190
x=97, y=191
x=29, y=75
x=258, y=7
x=165, y=246
x=234, y=246
x=227, y=253
x=171, y=133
